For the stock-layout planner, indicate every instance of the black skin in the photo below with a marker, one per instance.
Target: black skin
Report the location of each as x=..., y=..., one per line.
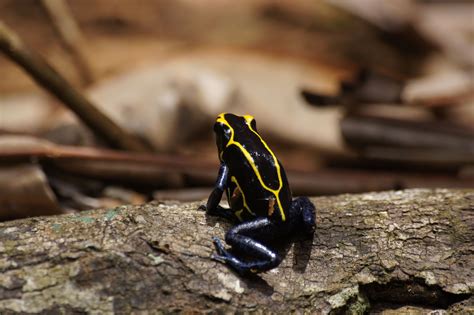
x=254, y=202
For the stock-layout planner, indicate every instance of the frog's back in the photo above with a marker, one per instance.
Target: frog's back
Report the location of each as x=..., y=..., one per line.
x=256, y=173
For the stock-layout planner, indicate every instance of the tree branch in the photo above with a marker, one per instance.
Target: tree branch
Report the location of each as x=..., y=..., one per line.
x=13, y=47
x=370, y=252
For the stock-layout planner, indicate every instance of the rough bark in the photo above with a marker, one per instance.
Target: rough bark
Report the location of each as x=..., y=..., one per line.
x=409, y=250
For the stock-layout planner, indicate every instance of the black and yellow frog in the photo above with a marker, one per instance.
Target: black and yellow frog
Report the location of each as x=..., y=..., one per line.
x=258, y=194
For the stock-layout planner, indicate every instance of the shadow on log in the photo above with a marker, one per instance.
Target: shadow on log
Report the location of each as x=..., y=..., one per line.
x=376, y=252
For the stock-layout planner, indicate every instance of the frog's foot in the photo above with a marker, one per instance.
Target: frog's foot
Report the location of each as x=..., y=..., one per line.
x=225, y=257
x=262, y=258
x=240, y=267
x=220, y=249
x=307, y=213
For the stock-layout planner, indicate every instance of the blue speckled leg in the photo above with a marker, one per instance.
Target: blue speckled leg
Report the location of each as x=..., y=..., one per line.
x=244, y=238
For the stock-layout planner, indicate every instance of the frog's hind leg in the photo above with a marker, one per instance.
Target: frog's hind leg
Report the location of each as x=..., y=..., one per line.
x=303, y=215
x=244, y=238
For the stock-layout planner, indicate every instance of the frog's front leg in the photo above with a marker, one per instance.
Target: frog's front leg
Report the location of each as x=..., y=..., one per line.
x=245, y=238
x=212, y=206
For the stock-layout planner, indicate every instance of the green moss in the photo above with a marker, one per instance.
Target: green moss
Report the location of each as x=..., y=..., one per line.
x=360, y=305
x=9, y=245
x=111, y=214
x=84, y=219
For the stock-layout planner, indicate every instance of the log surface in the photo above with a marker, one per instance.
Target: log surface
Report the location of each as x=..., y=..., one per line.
x=386, y=252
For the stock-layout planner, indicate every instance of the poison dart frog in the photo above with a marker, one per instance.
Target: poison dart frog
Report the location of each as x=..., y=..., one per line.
x=259, y=197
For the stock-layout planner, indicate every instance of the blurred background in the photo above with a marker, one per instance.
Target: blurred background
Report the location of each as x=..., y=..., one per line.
x=105, y=103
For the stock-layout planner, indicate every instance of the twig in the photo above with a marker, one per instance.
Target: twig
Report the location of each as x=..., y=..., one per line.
x=21, y=148
x=154, y=170
x=13, y=47
x=70, y=35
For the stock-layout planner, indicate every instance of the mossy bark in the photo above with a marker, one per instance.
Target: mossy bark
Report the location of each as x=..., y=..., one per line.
x=408, y=250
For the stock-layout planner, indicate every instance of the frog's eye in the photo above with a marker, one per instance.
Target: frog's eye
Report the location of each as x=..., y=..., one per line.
x=217, y=127
x=253, y=124
x=251, y=121
x=223, y=129
x=223, y=134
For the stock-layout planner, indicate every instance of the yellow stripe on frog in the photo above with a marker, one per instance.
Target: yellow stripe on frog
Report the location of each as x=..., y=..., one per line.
x=234, y=180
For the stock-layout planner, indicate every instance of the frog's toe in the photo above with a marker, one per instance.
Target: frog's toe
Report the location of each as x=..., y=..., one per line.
x=202, y=208
x=219, y=258
x=216, y=240
x=232, y=262
x=219, y=247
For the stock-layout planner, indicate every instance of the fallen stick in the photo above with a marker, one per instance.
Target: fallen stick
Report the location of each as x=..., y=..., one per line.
x=157, y=170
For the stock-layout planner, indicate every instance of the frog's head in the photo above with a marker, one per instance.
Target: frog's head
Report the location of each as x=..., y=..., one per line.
x=227, y=125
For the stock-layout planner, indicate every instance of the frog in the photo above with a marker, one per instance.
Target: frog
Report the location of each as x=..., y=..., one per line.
x=261, y=206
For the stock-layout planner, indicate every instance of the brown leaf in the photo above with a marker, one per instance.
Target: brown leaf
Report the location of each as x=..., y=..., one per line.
x=25, y=192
